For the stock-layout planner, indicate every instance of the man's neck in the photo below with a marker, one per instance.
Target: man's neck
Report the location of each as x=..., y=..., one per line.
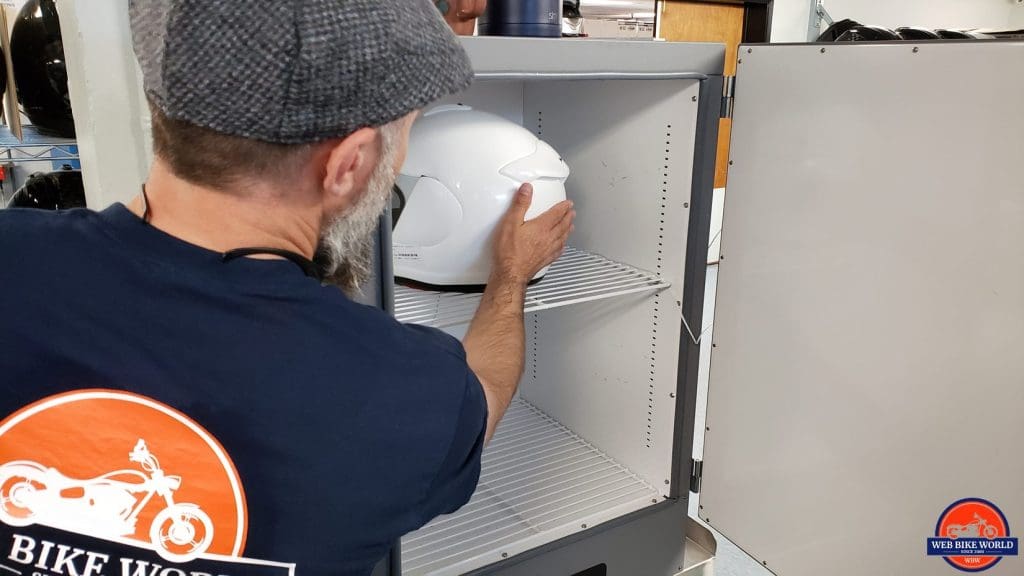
x=223, y=220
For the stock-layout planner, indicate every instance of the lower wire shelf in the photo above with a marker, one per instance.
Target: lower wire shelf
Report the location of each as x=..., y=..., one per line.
x=539, y=482
x=574, y=278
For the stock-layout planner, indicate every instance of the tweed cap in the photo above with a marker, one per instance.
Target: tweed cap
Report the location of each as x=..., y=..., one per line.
x=294, y=71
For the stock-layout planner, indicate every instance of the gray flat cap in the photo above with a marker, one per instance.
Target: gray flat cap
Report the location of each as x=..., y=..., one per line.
x=295, y=71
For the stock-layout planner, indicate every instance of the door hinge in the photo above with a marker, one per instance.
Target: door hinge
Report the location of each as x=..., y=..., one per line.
x=728, y=96
x=696, y=475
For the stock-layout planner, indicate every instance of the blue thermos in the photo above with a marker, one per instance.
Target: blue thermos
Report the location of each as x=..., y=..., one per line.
x=540, y=18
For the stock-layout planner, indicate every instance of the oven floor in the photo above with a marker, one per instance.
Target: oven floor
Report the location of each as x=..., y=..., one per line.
x=540, y=482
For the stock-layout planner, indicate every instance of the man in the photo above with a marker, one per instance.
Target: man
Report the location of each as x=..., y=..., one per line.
x=179, y=387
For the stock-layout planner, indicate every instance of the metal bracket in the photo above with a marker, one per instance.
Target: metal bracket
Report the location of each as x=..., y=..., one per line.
x=696, y=475
x=822, y=13
x=728, y=96
x=818, y=15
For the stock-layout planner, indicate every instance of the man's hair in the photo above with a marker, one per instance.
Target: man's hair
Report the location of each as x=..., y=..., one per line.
x=208, y=158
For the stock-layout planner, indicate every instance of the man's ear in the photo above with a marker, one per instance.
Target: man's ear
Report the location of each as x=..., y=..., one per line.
x=349, y=164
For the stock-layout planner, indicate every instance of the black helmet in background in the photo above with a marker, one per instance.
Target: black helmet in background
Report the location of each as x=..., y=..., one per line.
x=868, y=34
x=957, y=35
x=571, y=9
x=914, y=33
x=60, y=190
x=837, y=29
x=37, y=52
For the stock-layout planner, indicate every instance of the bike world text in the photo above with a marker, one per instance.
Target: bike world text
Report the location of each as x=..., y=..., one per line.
x=972, y=547
x=36, y=557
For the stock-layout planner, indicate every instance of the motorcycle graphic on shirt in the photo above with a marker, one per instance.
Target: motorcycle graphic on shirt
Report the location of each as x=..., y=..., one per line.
x=82, y=491
x=107, y=506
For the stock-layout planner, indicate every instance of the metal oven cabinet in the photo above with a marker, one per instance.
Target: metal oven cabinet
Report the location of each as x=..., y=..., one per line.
x=590, y=469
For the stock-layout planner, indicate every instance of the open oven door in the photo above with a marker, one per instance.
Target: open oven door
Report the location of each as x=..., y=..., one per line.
x=867, y=378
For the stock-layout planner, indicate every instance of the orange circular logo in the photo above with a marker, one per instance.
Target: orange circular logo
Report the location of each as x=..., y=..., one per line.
x=121, y=467
x=972, y=535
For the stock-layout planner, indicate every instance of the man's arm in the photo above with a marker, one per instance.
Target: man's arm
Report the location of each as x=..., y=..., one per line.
x=495, y=342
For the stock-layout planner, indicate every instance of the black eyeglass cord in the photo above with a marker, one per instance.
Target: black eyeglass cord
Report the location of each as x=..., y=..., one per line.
x=308, y=267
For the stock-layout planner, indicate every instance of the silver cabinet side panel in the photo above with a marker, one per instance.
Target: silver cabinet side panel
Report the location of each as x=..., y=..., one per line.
x=609, y=370
x=870, y=317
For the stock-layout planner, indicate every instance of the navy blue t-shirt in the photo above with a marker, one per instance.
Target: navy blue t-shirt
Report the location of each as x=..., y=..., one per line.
x=163, y=407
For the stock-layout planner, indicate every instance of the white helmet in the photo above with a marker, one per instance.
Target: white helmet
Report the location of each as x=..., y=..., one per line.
x=458, y=180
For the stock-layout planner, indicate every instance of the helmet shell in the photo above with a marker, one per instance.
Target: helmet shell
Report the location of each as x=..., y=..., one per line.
x=460, y=175
x=868, y=34
x=914, y=33
x=40, y=73
x=957, y=35
x=60, y=190
x=837, y=29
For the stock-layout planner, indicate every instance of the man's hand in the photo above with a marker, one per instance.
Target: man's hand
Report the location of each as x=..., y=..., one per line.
x=496, y=340
x=461, y=15
x=521, y=249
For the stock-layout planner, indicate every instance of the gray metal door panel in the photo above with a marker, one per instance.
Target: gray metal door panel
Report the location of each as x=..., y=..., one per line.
x=867, y=370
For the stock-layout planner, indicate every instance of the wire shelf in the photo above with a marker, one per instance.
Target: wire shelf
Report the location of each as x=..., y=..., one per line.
x=574, y=278
x=539, y=482
x=35, y=146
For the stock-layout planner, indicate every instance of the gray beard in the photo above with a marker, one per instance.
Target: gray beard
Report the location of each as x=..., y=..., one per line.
x=347, y=242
